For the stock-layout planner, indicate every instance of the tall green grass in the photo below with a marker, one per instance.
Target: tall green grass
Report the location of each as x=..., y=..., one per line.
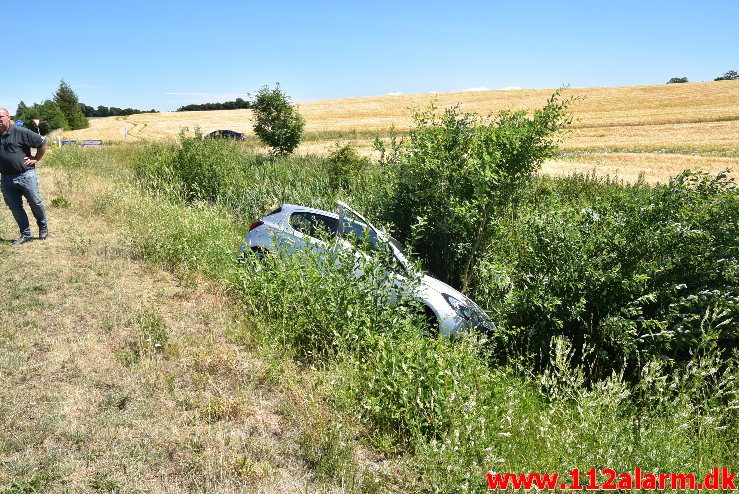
x=246, y=183
x=448, y=411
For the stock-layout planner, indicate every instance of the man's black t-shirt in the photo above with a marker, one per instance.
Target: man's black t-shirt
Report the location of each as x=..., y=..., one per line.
x=15, y=147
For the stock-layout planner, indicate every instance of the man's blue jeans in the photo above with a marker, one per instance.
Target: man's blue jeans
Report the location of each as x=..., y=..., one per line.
x=15, y=188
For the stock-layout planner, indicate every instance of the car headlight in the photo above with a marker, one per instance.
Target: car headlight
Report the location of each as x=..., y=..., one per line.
x=463, y=310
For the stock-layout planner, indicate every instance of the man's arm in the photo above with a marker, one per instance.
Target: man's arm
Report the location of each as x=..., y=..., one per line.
x=31, y=161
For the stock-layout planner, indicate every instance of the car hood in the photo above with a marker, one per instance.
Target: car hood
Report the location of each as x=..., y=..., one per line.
x=441, y=287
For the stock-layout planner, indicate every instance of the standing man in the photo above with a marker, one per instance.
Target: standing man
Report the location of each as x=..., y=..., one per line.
x=19, y=179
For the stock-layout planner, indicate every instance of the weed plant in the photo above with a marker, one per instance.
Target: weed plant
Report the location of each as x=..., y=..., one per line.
x=617, y=309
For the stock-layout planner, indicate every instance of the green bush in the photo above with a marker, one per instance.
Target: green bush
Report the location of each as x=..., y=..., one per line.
x=232, y=176
x=346, y=165
x=276, y=121
x=634, y=274
x=457, y=174
x=316, y=306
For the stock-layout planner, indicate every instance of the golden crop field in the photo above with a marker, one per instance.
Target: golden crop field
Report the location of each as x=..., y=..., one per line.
x=623, y=132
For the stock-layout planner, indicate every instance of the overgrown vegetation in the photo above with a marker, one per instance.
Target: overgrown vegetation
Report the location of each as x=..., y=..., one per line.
x=626, y=273
x=616, y=304
x=456, y=175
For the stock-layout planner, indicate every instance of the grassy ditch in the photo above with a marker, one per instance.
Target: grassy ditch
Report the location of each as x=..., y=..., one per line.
x=651, y=382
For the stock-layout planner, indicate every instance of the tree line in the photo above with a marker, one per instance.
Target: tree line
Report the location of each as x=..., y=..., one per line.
x=237, y=104
x=731, y=75
x=104, y=111
x=64, y=111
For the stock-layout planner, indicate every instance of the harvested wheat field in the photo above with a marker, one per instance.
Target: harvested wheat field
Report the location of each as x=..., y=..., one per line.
x=656, y=131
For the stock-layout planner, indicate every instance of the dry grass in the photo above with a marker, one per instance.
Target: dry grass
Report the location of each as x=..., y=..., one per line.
x=89, y=403
x=699, y=117
x=652, y=167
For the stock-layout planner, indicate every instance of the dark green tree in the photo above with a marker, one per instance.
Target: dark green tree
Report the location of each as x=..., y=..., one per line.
x=69, y=104
x=87, y=110
x=22, y=108
x=276, y=121
x=48, y=112
x=729, y=76
x=677, y=80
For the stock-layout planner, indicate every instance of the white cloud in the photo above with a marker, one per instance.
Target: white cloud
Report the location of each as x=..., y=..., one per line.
x=473, y=89
x=393, y=94
x=509, y=88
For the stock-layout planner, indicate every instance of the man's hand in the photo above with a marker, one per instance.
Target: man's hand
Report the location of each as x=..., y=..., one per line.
x=32, y=160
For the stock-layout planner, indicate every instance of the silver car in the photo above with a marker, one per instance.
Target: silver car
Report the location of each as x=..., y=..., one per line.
x=290, y=228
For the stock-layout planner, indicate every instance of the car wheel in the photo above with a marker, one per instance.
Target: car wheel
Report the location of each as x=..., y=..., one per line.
x=431, y=323
x=260, y=253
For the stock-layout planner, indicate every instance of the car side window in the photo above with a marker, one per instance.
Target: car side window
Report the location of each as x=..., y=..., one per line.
x=315, y=225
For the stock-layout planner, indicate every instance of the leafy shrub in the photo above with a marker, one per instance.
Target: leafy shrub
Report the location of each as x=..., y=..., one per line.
x=345, y=165
x=317, y=306
x=677, y=80
x=628, y=276
x=419, y=388
x=232, y=176
x=276, y=121
x=456, y=175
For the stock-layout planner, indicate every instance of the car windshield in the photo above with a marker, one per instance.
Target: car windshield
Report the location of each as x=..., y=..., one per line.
x=353, y=227
x=358, y=231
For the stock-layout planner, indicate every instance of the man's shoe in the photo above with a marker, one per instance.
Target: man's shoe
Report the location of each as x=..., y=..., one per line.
x=43, y=233
x=22, y=240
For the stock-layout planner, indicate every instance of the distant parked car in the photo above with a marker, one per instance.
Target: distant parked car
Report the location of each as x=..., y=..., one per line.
x=226, y=134
x=292, y=228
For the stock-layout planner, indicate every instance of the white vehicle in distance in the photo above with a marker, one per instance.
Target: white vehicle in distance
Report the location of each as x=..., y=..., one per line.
x=291, y=227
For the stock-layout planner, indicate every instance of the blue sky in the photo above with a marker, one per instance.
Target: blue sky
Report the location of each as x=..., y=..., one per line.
x=163, y=54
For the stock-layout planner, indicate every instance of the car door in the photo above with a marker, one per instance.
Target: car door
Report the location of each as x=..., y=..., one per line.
x=311, y=230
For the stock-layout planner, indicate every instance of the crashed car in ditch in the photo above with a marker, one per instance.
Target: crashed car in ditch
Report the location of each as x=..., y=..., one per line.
x=292, y=228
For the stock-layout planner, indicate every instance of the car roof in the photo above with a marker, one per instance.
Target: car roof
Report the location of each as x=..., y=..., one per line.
x=228, y=131
x=292, y=208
